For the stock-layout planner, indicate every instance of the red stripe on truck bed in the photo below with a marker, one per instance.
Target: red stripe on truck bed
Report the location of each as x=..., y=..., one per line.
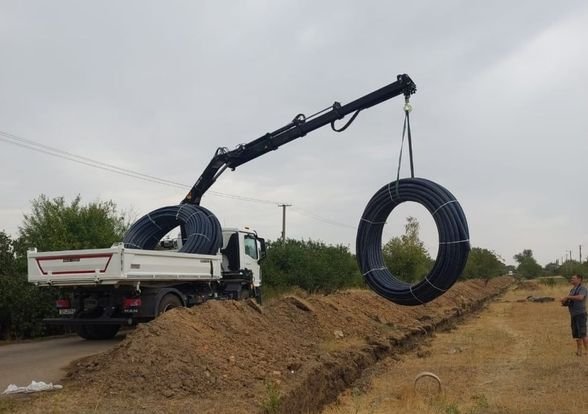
x=77, y=258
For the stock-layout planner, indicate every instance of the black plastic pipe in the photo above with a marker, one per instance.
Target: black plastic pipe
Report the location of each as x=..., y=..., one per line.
x=454, y=245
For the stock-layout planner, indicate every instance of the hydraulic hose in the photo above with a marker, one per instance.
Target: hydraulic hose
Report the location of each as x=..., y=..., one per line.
x=454, y=245
x=202, y=229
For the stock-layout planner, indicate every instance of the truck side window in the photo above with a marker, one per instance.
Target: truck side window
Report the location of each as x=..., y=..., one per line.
x=250, y=246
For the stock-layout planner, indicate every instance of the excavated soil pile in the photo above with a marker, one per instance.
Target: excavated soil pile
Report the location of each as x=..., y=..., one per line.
x=528, y=285
x=294, y=355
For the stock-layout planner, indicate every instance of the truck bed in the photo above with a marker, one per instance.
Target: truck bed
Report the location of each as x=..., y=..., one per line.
x=119, y=265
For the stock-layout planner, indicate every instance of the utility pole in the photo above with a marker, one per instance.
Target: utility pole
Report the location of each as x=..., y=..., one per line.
x=580, y=248
x=284, y=219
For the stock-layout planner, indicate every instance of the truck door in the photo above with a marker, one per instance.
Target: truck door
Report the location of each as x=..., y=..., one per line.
x=250, y=257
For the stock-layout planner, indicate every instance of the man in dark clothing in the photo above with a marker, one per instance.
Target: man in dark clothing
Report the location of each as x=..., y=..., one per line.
x=576, y=303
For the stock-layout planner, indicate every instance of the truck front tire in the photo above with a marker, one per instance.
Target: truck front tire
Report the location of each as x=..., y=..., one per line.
x=257, y=294
x=245, y=294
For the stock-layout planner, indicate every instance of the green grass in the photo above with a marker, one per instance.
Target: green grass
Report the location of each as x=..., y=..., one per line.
x=271, y=402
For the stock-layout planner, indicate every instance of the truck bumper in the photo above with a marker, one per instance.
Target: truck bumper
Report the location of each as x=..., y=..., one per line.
x=89, y=321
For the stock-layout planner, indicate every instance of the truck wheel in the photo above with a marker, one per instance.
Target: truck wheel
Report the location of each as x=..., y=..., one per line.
x=98, y=332
x=84, y=332
x=105, y=331
x=257, y=291
x=244, y=294
x=168, y=302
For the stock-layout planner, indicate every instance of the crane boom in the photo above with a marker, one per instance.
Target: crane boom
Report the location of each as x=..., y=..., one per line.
x=299, y=127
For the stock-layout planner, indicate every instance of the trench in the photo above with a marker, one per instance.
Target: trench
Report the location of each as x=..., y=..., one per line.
x=340, y=370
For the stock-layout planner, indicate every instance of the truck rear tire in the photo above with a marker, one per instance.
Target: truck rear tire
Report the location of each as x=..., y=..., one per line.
x=168, y=302
x=83, y=332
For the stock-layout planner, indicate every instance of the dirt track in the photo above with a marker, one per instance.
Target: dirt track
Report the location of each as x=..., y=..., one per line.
x=295, y=355
x=515, y=357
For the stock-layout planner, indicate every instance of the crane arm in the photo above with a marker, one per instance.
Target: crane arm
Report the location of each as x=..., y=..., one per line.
x=299, y=127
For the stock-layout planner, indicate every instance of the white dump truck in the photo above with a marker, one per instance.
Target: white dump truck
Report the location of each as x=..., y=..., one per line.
x=104, y=289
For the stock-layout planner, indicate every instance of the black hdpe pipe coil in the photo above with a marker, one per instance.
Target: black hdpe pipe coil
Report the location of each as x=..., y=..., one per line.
x=454, y=245
x=202, y=229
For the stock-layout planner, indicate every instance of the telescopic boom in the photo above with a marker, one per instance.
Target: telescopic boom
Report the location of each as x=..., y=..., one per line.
x=299, y=127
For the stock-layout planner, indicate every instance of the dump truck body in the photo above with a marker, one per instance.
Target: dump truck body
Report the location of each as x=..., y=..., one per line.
x=103, y=289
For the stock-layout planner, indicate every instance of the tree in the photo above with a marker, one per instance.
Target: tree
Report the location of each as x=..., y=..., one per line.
x=551, y=269
x=7, y=258
x=7, y=267
x=573, y=267
x=52, y=225
x=22, y=305
x=55, y=225
x=406, y=256
x=483, y=263
x=528, y=266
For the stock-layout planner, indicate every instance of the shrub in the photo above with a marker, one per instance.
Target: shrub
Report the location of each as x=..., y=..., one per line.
x=312, y=266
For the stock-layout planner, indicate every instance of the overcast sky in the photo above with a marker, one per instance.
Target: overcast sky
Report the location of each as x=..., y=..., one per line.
x=500, y=117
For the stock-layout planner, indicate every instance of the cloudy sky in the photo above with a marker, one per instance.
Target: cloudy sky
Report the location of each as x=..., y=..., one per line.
x=500, y=117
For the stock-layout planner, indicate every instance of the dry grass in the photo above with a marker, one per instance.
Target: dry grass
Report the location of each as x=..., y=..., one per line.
x=515, y=357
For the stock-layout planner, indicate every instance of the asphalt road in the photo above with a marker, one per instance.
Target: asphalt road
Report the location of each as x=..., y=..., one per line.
x=45, y=360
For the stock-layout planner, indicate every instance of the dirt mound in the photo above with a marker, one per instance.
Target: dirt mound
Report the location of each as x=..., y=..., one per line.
x=528, y=285
x=291, y=356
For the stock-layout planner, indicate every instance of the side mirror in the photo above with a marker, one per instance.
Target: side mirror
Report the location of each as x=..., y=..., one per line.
x=262, y=249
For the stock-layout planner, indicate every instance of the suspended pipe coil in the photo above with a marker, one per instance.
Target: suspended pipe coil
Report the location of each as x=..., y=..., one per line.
x=202, y=229
x=204, y=236
x=454, y=245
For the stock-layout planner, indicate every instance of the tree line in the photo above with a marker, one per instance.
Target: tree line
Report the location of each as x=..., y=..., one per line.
x=314, y=266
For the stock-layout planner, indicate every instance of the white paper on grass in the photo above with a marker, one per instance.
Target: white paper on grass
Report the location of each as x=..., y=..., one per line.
x=34, y=386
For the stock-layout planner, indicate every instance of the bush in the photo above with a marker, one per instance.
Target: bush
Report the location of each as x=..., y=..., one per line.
x=23, y=306
x=312, y=266
x=483, y=264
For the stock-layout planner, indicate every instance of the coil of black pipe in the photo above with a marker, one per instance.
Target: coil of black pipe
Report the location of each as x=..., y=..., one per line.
x=202, y=229
x=453, y=234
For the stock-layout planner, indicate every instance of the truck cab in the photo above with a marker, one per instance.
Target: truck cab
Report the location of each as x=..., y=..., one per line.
x=242, y=253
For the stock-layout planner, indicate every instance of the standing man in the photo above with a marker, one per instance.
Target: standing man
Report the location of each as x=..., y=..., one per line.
x=576, y=303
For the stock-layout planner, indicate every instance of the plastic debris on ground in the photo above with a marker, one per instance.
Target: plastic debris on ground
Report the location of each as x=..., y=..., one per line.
x=34, y=386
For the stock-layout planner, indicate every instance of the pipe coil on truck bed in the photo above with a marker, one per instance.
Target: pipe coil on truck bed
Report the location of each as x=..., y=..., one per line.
x=202, y=229
x=454, y=245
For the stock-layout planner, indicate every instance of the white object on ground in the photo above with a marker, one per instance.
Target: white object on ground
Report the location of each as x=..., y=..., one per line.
x=34, y=386
x=426, y=374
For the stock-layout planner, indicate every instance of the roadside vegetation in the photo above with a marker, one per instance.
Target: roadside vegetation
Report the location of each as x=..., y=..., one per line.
x=310, y=265
x=53, y=224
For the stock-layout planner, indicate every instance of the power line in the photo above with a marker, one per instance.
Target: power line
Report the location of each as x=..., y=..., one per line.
x=56, y=152
x=386, y=233
x=96, y=164
x=59, y=153
x=314, y=216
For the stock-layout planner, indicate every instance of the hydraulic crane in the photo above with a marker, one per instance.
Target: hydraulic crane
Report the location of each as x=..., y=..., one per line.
x=299, y=127
x=200, y=229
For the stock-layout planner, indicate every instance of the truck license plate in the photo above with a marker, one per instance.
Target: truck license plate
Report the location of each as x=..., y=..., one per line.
x=70, y=311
